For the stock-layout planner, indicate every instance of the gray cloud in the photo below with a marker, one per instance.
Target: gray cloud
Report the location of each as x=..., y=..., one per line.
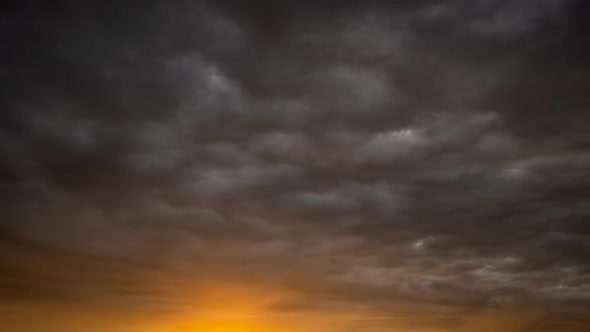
x=416, y=158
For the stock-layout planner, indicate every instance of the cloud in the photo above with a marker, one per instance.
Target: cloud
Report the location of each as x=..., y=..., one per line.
x=283, y=145
x=219, y=181
x=393, y=145
x=417, y=165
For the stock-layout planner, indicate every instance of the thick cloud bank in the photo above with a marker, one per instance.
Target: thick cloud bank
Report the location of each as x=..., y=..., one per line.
x=419, y=162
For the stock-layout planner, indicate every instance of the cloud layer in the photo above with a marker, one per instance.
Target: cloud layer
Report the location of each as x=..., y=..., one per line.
x=422, y=164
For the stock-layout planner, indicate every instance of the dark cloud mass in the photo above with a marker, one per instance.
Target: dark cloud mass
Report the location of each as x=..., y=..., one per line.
x=414, y=165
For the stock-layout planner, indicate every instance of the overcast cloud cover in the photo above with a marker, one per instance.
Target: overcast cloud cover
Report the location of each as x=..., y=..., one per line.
x=421, y=165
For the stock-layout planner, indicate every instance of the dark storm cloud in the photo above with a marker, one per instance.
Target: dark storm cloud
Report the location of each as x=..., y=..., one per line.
x=426, y=155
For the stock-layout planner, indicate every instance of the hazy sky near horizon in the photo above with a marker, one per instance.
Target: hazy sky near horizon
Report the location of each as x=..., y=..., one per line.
x=291, y=166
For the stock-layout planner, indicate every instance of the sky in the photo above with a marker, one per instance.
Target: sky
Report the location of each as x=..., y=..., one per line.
x=295, y=166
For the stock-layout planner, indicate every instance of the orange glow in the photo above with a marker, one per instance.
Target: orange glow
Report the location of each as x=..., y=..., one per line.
x=224, y=307
x=233, y=307
x=226, y=326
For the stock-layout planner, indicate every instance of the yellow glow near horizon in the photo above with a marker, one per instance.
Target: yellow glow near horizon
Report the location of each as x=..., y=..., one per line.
x=224, y=326
x=210, y=307
x=226, y=307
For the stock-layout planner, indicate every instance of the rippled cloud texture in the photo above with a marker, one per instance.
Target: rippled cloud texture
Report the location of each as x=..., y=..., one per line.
x=271, y=166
